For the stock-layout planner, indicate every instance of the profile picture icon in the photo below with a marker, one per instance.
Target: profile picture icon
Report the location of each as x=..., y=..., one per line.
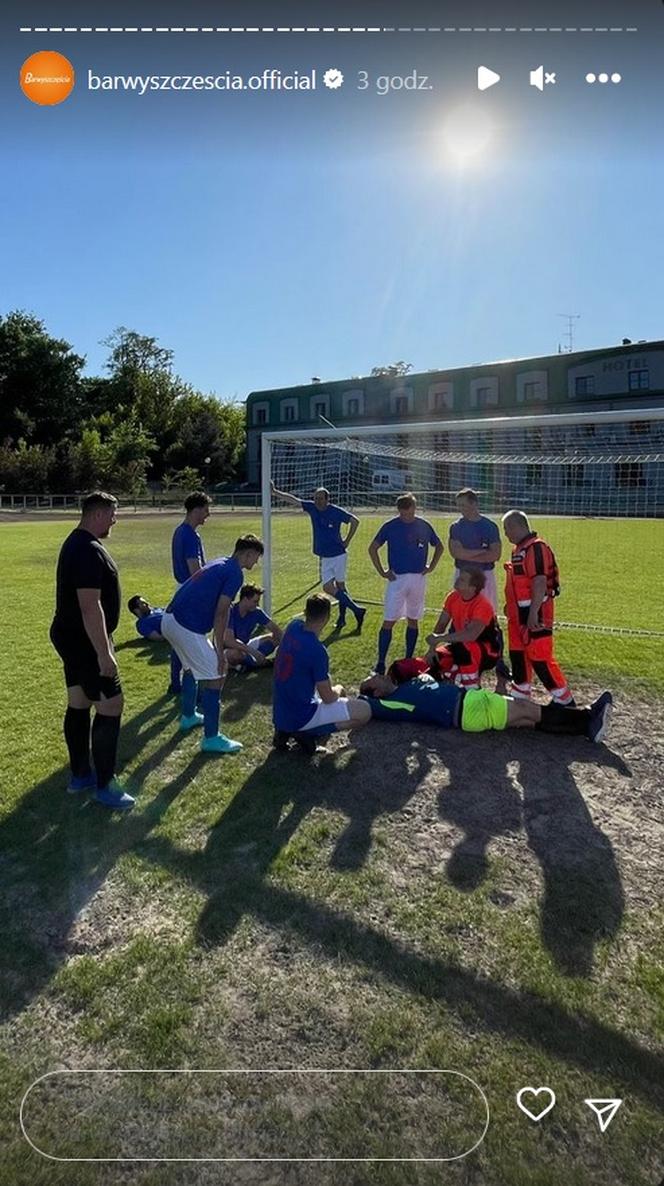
x=47, y=78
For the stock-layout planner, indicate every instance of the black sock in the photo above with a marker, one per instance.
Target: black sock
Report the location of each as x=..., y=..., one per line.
x=77, y=736
x=556, y=719
x=105, y=733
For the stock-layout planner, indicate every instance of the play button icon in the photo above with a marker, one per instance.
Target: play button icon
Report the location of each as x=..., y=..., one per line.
x=486, y=78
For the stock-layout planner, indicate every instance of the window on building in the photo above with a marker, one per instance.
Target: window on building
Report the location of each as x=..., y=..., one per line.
x=319, y=408
x=288, y=412
x=401, y=405
x=353, y=407
x=260, y=414
x=639, y=380
x=484, y=397
x=584, y=385
x=574, y=475
x=629, y=474
x=533, y=392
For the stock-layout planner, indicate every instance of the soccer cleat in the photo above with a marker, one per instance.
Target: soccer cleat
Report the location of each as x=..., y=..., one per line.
x=220, y=745
x=114, y=797
x=187, y=723
x=280, y=740
x=77, y=785
x=600, y=717
x=360, y=615
x=564, y=703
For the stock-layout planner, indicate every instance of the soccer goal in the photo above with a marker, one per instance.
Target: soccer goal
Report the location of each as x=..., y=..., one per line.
x=592, y=484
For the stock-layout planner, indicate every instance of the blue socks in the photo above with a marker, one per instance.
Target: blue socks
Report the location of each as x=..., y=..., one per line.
x=189, y=688
x=266, y=647
x=411, y=639
x=384, y=640
x=346, y=602
x=176, y=671
x=211, y=704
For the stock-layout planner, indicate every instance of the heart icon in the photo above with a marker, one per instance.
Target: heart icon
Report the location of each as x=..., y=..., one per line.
x=536, y=1091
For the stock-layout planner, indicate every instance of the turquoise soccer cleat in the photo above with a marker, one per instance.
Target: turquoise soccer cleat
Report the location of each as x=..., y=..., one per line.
x=220, y=745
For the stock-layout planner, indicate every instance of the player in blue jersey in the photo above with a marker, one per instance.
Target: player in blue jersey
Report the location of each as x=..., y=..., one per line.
x=474, y=542
x=330, y=547
x=201, y=606
x=408, y=540
x=246, y=650
x=187, y=557
x=306, y=703
x=148, y=618
x=425, y=700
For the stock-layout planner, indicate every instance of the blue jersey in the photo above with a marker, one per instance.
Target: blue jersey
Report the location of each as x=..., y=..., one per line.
x=302, y=663
x=185, y=545
x=407, y=544
x=475, y=535
x=150, y=624
x=243, y=627
x=326, y=526
x=421, y=699
x=195, y=603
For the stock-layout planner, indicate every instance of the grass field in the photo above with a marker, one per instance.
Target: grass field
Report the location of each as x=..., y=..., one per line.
x=409, y=899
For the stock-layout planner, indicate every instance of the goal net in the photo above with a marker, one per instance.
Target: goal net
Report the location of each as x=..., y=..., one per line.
x=592, y=485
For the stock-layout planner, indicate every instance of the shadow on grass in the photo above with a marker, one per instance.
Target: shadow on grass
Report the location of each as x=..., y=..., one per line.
x=246, y=843
x=156, y=653
x=57, y=850
x=583, y=901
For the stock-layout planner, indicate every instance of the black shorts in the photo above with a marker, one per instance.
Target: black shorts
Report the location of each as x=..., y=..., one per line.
x=82, y=668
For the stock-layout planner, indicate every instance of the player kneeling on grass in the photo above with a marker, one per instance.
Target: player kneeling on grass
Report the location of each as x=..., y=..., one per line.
x=306, y=704
x=425, y=700
x=199, y=606
x=244, y=650
x=474, y=643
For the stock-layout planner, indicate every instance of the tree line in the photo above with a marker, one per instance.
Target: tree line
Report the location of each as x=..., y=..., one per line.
x=62, y=432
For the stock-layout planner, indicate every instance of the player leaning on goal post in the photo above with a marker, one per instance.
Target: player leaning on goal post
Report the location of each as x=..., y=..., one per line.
x=329, y=546
x=408, y=539
x=531, y=585
x=87, y=611
x=199, y=606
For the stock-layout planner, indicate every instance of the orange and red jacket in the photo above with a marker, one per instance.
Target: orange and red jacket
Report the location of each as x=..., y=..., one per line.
x=531, y=558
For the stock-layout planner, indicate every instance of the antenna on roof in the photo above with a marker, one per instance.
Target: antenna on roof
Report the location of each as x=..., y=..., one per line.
x=570, y=318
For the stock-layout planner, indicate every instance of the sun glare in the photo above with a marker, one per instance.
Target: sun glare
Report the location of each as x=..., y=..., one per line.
x=467, y=135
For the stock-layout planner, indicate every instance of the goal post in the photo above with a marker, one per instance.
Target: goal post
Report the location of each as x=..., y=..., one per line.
x=593, y=484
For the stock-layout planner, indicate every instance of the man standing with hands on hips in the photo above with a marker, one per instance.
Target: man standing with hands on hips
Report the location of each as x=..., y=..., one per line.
x=408, y=539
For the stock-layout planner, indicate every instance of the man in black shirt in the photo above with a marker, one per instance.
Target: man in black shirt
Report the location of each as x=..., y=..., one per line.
x=86, y=614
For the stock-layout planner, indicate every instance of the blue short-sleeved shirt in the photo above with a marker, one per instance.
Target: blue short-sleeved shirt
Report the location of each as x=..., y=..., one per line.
x=326, y=526
x=243, y=627
x=407, y=544
x=185, y=545
x=302, y=662
x=195, y=603
x=150, y=624
x=475, y=534
x=421, y=699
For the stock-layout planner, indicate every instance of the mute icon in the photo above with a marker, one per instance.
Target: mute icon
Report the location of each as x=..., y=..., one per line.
x=537, y=78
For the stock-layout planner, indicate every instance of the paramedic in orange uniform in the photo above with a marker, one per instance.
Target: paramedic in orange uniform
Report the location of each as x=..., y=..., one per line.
x=473, y=645
x=531, y=585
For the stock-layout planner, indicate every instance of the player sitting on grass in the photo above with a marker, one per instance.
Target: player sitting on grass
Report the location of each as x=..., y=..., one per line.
x=243, y=650
x=148, y=618
x=474, y=643
x=425, y=700
x=306, y=704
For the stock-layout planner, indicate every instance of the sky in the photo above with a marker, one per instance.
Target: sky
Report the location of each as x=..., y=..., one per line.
x=270, y=236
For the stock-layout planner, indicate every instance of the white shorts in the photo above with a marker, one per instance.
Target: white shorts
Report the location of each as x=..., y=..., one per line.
x=333, y=568
x=490, y=590
x=329, y=714
x=195, y=651
x=404, y=597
